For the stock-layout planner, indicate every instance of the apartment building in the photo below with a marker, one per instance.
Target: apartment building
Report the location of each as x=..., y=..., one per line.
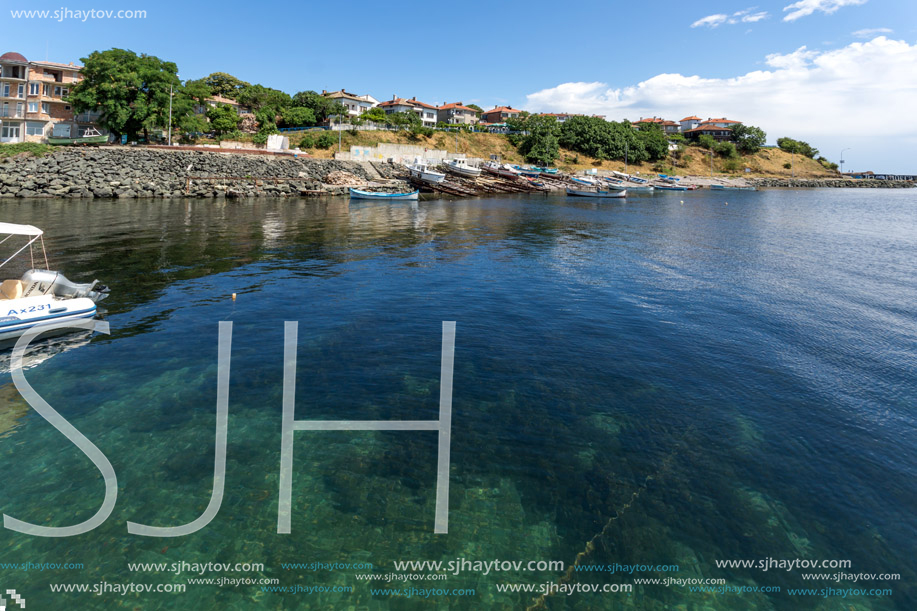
x=33, y=100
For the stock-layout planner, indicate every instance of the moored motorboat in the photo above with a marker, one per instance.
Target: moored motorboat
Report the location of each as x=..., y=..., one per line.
x=358, y=194
x=595, y=193
x=41, y=298
x=732, y=188
x=460, y=166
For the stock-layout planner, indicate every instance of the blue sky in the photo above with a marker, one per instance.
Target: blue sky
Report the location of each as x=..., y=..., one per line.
x=601, y=57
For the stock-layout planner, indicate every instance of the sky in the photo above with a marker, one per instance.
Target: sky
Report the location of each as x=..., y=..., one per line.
x=840, y=74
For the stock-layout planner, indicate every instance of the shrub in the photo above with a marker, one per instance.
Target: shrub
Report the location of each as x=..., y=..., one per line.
x=726, y=149
x=787, y=165
x=307, y=142
x=706, y=141
x=260, y=138
x=324, y=141
x=732, y=165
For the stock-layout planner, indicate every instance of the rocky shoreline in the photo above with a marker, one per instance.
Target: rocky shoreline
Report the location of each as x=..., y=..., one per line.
x=829, y=183
x=126, y=172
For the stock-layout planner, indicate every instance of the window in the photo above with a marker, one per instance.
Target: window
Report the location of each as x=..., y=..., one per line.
x=5, y=110
x=46, y=108
x=46, y=90
x=57, y=91
x=34, y=129
x=21, y=91
x=67, y=107
x=33, y=106
x=6, y=90
x=65, y=91
x=33, y=88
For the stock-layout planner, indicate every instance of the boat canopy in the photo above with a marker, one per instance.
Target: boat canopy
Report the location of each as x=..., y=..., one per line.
x=13, y=229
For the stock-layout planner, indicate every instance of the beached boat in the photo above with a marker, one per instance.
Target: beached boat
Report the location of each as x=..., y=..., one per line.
x=732, y=188
x=41, y=297
x=595, y=193
x=422, y=171
x=638, y=188
x=461, y=167
x=547, y=170
x=90, y=136
x=358, y=194
x=583, y=181
x=500, y=169
x=670, y=187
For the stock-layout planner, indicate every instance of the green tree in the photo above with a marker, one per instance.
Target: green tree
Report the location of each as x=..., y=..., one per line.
x=297, y=116
x=225, y=85
x=322, y=107
x=540, y=145
x=267, y=104
x=654, y=142
x=478, y=111
x=797, y=146
x=706, y=141
x=326, y=140
x=223, y=118
x=726, y=149
x=748, y=138
x=131, y=92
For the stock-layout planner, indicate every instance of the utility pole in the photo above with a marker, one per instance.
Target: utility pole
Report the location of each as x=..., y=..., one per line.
x=170, y=114
x=842, y=159
x=340, y=130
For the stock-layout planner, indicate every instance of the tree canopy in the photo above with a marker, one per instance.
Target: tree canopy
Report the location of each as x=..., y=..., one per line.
x=131, y=92
x=603, y=139
x=797, y=146
x=223, y=118
x=225, y=85
x=748, y=138
x=322, y=107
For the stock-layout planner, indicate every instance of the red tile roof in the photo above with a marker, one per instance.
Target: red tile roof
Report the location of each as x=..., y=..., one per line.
x=456, y=105
x=502, y=109
x=691, y=119
x=721, y=120
x=709, y=127
x=404, y=102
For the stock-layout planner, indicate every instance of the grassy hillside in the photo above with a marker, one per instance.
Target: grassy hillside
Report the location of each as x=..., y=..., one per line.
x=696, y=161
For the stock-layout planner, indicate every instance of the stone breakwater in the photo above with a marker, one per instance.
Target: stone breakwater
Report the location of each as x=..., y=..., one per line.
x=869, y=183
x=138, y=172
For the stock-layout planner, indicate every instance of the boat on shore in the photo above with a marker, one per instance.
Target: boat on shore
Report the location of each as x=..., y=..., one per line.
x=90, y=136
x=41, y=297
x=500, y=169
x=461, y=168
x=422, y=171
x=358, y=194
x=595, y=193
x=584, y=181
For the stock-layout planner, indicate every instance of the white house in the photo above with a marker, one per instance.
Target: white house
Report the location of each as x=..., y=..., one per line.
x=356, y=104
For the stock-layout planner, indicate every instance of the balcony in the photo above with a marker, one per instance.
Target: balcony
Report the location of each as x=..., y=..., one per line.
x=11, y=114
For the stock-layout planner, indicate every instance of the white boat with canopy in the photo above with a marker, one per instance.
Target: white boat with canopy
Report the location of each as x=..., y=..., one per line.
x=40, y=297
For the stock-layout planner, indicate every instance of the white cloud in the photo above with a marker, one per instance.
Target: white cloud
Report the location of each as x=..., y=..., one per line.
x=711, y=21
x=870, y=32
x=745, y=16
x=754, y=17
x=804, y=8
x=862, y=91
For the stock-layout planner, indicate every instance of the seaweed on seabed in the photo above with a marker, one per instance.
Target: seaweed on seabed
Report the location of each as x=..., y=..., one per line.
x=589, y=548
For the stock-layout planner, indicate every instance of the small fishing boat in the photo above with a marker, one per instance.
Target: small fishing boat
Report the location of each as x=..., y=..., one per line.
x=422, y=171
x=638, y=188
x=732, y=188
x=595, y=193
x=460, y=166
x=358, y=194
x=584, y=181
x=639, y=181
x=499, y=169
x=669, y=187
x=41, y=298
x=547, y=170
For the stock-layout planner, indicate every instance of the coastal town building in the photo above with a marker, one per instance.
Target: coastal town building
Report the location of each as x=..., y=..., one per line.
x=456, y=114
x=499, y=114
x=33, y=100
x=669, y=127
x=426, y=112
x=689, y=123
x=219, y=100
x=356, y=104
x=719, y=133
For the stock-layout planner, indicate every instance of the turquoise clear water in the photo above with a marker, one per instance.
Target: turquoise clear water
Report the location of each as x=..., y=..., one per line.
x=680, y=379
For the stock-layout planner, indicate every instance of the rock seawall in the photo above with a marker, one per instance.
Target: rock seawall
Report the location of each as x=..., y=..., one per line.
x=140, y=172
x=869, y=183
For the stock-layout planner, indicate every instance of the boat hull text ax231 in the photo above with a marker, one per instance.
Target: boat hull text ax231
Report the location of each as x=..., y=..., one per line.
x=41, y=297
